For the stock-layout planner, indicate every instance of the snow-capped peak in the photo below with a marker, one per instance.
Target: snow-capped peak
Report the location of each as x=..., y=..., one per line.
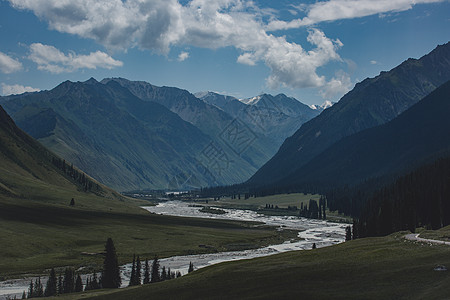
x=323, y=106
x=251, y=101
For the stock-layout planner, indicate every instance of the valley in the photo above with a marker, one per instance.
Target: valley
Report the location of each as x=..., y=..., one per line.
x=178, y=149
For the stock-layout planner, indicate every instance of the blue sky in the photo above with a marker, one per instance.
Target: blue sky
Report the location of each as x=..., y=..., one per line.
x=311, y=50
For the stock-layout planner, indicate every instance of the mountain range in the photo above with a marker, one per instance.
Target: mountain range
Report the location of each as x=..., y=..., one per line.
x=133, y=135
x=372, y=102
x=276, y=117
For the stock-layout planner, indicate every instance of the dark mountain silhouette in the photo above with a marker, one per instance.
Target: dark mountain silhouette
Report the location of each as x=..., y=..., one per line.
x=372, y=102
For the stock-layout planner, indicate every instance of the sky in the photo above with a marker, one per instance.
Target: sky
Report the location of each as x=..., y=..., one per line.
x=311, y=50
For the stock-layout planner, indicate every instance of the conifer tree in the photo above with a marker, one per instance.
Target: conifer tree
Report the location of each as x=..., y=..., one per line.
x=138, y=271
x=52, y=284
x=24, y=295
x=320, y=210
x=38, y=289
x=146, y=272
x=191, y=267
x=88, y=285
x=155, y=271
x=178, y=274
x=163, y=274
x=94, y=282
x=60, y=285
x=69, y=280
x=111, y=272
x=78, y=284
x=348, y=233
x=31, y=289
x=133, y=272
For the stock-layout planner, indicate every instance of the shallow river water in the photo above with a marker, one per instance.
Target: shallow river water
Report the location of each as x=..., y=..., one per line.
x=311, y=231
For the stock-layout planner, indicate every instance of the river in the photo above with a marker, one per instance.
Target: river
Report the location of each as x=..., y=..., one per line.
x=311, y=231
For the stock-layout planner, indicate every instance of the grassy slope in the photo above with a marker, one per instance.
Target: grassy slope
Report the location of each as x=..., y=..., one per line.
x=39, y=230
x=371, y=268
x=41, y=234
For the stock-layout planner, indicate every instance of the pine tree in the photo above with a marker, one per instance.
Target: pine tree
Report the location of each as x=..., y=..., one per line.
x=60, y=285
x=133, y=272
x=38, y=289
x=191, y=267
x=52, y=282
x=69, y=280
x=78, y=284
x=314, y=246
x=320, y=209
x=138, y=271
x=24, y=295
x=88, y=284
x=348, y=233
x=111, y=272
x=146, y=272
x=155, y=270
x=31, y=290
x=94, y=282
x=178, y=274
x=163, y=274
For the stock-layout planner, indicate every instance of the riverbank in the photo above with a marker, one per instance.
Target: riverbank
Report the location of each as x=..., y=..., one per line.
x=312, y=232
x=371, y=268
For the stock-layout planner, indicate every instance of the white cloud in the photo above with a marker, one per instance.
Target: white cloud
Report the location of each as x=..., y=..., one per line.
x=158, y=25
x=183, y=56
x=50, y=59
x=333, y=10
x=16, y=89
x=373, y=62
x=9, y=65
x=337, y=86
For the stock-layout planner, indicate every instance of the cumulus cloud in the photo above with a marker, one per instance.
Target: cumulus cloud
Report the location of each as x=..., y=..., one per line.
x=183, y=56
x=16, y=89
x=333, y=10
x=337, y=86
x=8, y=64
x=158, y=25
x=49, y=58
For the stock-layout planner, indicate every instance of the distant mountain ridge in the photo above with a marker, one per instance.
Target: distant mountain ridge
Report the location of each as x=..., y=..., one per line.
x=133, y=135
x=418, y=135
x=372, y=102
x=212, y=122
x=276, y=117
x=114, y=136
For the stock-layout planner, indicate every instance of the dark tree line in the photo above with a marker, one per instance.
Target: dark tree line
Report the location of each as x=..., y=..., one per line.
x=151, y=274
x=79, y=177
x=63, y=284
x=69, y=283
x=421, y=198
x=314, y=211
